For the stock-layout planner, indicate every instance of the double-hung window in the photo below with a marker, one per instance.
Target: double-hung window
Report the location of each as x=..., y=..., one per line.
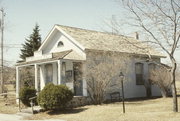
x=139, y=73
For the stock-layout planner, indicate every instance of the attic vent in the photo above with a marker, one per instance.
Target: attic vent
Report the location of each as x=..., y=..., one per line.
x=60, y=44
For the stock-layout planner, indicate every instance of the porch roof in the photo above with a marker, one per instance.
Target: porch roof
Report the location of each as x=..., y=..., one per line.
x=69, y=54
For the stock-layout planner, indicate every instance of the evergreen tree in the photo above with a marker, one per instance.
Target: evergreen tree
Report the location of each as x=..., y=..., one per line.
x=32, y=44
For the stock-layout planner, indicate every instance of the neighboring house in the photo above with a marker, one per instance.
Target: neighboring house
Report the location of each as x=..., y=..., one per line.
x=65, y=56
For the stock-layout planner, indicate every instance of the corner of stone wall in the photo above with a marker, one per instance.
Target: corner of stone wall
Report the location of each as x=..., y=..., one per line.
x=78, y=101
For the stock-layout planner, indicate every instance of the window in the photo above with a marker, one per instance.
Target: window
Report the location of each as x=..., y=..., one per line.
x=60, y=44
x=68, y=76
x=139, y=73
x=49, y=73
x=63, y=81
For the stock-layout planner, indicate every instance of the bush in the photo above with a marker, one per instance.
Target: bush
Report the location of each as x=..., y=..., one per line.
x=54, y=96
x=25, y=94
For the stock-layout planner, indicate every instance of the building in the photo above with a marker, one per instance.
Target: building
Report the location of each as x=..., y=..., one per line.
x=67, y=54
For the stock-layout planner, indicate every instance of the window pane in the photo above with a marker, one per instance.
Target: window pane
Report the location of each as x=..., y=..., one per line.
x=139, y=79
x=139, y=68
x=60, y=44
x=139, y=73
x=63, y=72
x=49, y=73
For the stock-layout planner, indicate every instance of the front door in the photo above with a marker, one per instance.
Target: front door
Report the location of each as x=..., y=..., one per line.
x=78, y=90
x=49, y=73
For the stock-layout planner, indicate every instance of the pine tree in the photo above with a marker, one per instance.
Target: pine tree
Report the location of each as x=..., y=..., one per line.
x=32, y=43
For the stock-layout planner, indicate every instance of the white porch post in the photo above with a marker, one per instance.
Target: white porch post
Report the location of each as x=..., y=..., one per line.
x=84, y=79
x=42, y=78
x=36, y=76
x=59, y=71
x=55, y=78
x=17, y=83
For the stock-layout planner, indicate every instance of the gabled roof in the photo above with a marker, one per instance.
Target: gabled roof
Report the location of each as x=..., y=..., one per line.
x=108, y=42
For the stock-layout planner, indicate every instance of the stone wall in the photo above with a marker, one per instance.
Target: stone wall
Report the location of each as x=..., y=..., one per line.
x=112, y=63
x=104, y=68
x=78, y=101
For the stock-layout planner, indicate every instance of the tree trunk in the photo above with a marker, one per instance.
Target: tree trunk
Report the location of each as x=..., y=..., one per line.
x=173, y=85
x=175, y=103
x=148, y=92
x=164, y=92
x=147, y=86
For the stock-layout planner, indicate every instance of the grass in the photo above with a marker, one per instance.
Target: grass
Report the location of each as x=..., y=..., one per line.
x=148, y=110
x=159, y=109
x=9, y=106
x=8, y=109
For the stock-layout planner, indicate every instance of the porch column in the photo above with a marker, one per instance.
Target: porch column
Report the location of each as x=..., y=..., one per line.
x=84, y=79
x=17, y=83
x=36, y=76
x=42, y=79
x=59, y=71
x=55, y=78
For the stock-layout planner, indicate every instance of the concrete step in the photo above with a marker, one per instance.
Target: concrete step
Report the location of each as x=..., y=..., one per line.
x=29, y=110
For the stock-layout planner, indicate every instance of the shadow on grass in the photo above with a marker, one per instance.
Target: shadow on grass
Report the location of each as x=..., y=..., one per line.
x=142, y=99
x=66, y=111
x=134, y=101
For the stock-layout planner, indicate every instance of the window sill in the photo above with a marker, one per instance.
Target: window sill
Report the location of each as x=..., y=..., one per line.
x=79, y=96
x=140, y=84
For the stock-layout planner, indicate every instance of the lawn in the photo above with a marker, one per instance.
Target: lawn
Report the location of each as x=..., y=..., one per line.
x=159, y=109
x=8, y=105
x=8, y=109
x=148, y=110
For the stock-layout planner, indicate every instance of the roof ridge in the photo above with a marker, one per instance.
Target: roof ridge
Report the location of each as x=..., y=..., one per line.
x=120, y=35
x=92, y=39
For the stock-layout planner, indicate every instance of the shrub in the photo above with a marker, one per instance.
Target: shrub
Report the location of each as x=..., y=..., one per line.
x=25, y=94
x=54, y=96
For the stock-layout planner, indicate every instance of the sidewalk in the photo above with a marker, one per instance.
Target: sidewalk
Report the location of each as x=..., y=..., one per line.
x=19, y=117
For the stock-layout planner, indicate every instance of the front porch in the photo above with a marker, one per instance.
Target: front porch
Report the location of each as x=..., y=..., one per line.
x=61, y=71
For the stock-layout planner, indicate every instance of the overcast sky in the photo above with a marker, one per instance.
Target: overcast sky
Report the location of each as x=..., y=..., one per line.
x=22, y=15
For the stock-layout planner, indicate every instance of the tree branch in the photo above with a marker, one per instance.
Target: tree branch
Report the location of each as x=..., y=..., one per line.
x=164, y=13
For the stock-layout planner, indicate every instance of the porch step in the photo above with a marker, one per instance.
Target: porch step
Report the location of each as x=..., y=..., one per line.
x=29, y=110
x=37, y=108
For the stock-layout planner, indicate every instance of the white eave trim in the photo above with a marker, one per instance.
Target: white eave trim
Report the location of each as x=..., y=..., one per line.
x=47, y=37
x=41, y=57
x=65, y=34
x=38, y=63
x=72, y=39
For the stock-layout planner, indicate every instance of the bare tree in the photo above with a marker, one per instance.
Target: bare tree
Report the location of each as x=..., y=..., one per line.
x=27, y=76
x=160, y=75
x=160, y=21
x=103, y=74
